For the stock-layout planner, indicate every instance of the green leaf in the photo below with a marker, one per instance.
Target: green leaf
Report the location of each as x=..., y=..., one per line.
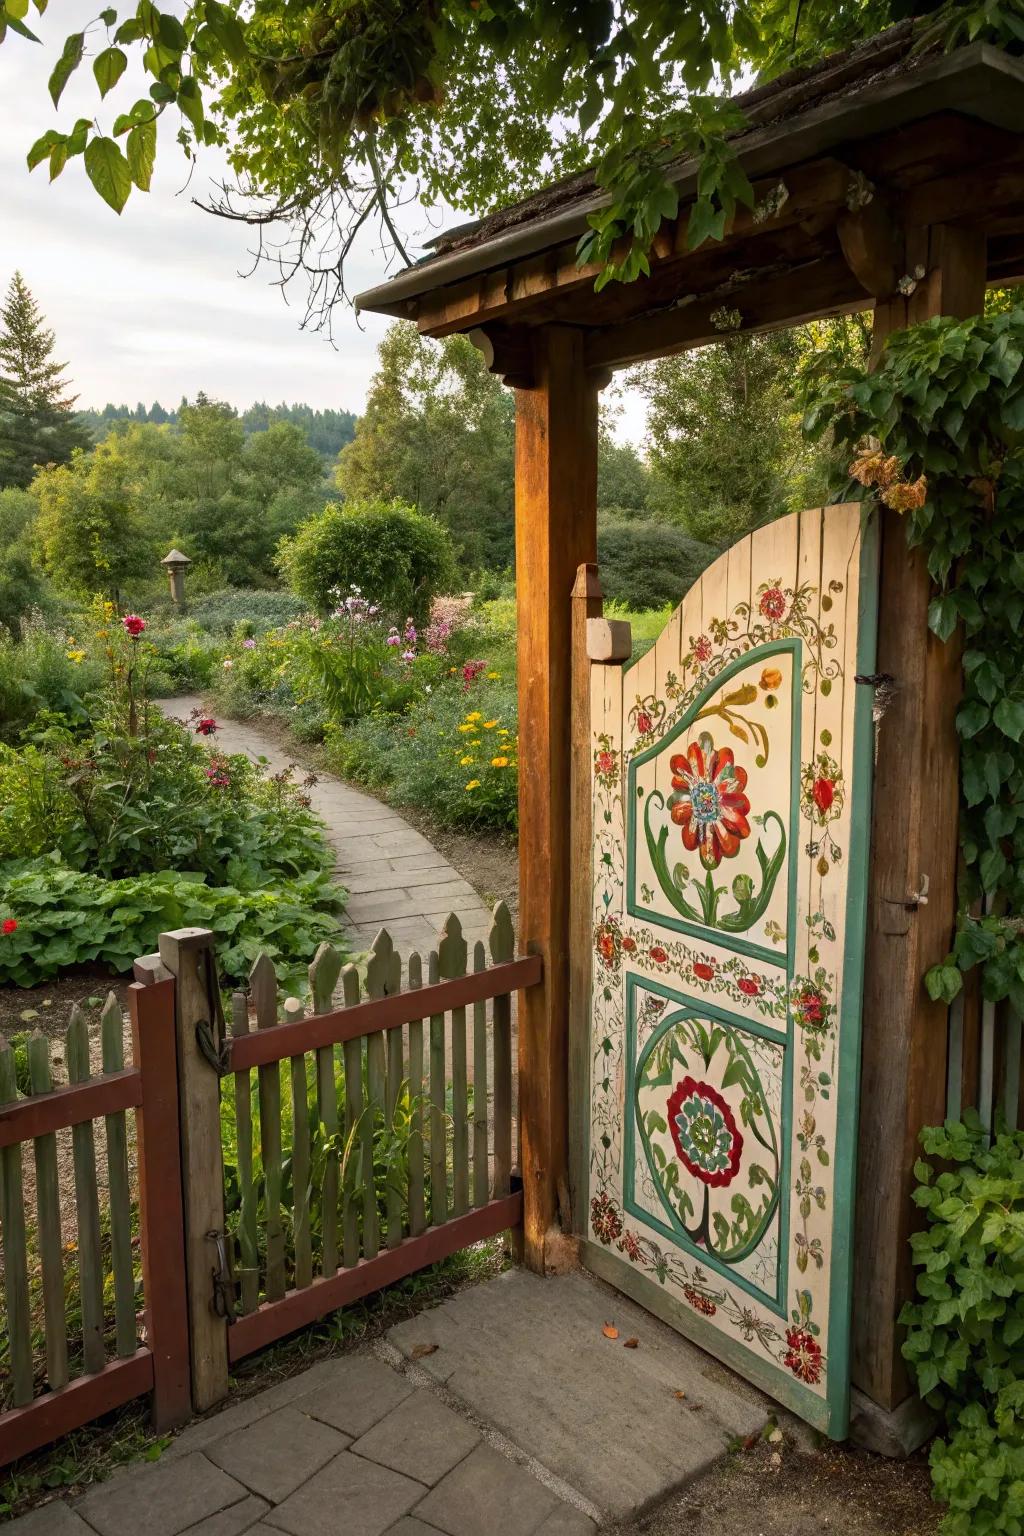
x=66, y=65
x=108, y=171
x=41, y=148
x=706, y=222
x=108, y=67
x=1008, y=715
x=142, y=153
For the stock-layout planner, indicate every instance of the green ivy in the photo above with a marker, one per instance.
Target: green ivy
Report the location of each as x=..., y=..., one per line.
x=965, y=1336
x=947, y=404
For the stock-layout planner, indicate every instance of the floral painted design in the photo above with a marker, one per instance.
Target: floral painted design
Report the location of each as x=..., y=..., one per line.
x=608, y=943
x=646, y=716
x=699, y=1301
x=606, y=763
x=705, y=1134
x=822, y=802
x=605, y=1219
x=803, y=1355
x=708, y=801
x=701, y=648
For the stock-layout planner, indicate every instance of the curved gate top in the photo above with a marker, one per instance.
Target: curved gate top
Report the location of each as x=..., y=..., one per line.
x=731, y=800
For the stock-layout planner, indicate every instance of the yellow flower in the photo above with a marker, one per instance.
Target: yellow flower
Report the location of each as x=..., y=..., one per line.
x=465, y=728
x=75, y=656
x=476, y=715
x=475, y=743
x=771, y=678
x=473, y=784
x=499, y=762
x=494, y=676
x=466, y=762
x=489, y=725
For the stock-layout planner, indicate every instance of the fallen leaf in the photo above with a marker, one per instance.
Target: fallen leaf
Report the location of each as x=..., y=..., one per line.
x=775, y=1436
x=610, y=1331
x=419, y=1350
x=679, y=1396
x=630, y=1343
x=751, y=1441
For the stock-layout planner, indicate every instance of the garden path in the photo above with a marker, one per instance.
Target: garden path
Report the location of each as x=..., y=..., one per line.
x=395, y=877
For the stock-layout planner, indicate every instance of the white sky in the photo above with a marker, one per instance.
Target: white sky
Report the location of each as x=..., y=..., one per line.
x=149, y=305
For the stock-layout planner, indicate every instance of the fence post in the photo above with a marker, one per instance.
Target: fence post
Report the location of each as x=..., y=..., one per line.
x=161, y=1221
x=188, y=955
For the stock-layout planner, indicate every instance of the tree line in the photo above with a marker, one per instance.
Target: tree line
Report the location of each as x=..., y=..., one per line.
x=326, y=430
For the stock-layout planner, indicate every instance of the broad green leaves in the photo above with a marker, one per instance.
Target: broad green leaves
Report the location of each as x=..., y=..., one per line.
x=142, y=153
x=108, y=67
x=66, y=65
x=108, y=171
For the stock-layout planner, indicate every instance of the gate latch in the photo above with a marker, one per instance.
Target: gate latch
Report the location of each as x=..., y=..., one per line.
x=223, y=1302
x=898, y=921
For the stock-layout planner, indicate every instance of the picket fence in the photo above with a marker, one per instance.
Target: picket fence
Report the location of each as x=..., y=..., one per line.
x=246, y=1180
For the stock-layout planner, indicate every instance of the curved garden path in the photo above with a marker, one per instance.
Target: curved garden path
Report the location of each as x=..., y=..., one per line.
x=395, y=877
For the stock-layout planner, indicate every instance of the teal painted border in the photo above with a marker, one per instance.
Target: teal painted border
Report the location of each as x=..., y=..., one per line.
x=848, y=1075
x=693, y=1008
x=699, y=930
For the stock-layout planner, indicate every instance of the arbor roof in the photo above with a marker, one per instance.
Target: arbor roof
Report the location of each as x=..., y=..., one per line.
x=843, y=156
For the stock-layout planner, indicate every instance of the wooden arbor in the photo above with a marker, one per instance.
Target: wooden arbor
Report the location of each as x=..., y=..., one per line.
x=885, y=179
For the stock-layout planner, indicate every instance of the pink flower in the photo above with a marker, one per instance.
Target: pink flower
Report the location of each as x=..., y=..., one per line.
x=249, y=645
x=394, y=638
x=133, y=624
x=408, y=655
x=8, y=925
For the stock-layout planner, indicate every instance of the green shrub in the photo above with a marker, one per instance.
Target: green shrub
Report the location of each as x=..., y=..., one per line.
x=965, y=1336
x=385, y=549
x=646, y=564
x=66, y=917
x=453, y=753
x=252, y=609
x=46, y=672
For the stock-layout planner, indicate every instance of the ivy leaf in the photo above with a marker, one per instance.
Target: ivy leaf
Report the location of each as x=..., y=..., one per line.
x=66, y=65
x=1008, y=715
x=141, y=147
x=972, y=717
x=108, y=171
x=108, y=67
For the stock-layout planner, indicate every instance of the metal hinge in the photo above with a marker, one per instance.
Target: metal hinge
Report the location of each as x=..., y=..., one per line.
x=223, y=1301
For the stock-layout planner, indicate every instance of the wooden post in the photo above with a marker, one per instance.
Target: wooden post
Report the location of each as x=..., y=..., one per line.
x=161, y=1216
x=586, y=604
x=556, y=531
x=914, y=834
x=187, y=953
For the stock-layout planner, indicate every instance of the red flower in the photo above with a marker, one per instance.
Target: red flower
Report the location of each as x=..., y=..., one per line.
x=749, y=986
x=803, y=1357
x=605, y=762
x=809, y=1007
x=206, y=726
x=605, y=1219
x=773, y=603
x=643, y=722
x=629, y=945
x=703, y=972
x=824, y=793
x=657, y=954
x=708, y=802
x=702, y=648
x=133, y=624
x=629, y=1244
x=707, y=1140
x=8, y=925
x=699, y=1302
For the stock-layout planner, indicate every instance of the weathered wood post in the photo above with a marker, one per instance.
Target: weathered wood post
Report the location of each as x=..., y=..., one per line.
x=914, y=834
x=188, y=954
x=556, y=531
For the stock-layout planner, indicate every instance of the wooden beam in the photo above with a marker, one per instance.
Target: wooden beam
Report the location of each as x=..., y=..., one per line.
x=556, y=531
x=914, y=833
x=801, y=292
x=527, y=289
x=872, y=245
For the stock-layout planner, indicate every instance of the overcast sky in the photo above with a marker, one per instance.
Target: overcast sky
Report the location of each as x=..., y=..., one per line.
x=149, y=305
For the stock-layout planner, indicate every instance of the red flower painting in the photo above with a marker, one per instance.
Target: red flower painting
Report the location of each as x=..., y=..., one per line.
x=708, y=801
x=803, y=1357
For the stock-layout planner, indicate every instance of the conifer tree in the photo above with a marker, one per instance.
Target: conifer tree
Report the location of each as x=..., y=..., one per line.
x=37, y=418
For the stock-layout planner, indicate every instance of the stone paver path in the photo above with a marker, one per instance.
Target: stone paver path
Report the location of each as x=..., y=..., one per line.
x=503, y=1412
x=395, y=877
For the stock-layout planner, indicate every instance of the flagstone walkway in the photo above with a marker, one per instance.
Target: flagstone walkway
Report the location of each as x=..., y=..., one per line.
x=395, y=877
x=506, y=1411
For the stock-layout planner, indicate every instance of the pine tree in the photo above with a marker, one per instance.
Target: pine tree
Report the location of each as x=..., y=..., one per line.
x=37, y=417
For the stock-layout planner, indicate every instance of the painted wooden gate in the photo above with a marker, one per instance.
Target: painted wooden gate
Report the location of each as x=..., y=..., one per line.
x=731, y=793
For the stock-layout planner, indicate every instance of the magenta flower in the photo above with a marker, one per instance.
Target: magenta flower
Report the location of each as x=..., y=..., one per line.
x=133, y=624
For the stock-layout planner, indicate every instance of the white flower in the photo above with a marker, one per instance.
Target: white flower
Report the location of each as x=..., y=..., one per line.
x=228, y=664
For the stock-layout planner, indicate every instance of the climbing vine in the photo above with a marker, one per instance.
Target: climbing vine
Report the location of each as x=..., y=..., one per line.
x=937, y=433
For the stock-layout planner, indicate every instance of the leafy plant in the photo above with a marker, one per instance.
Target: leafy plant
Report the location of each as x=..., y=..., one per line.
x=965, y=1336
x=936, y=431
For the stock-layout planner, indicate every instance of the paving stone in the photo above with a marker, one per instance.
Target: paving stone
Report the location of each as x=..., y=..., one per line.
x=164, y=1499
x=277, y=1453
x=355, y=1395
x=421, y=1438
x=454, y=893
x=54, y=1519
x=527, y=1355
x=349, y=1495
x=567, y=1521
x=384, y=905
x=232, y=1522
x=486, y=1493
x=410, y=1526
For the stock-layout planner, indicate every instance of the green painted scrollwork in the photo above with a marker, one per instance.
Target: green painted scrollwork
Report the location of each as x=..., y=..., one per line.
x=751, y=899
